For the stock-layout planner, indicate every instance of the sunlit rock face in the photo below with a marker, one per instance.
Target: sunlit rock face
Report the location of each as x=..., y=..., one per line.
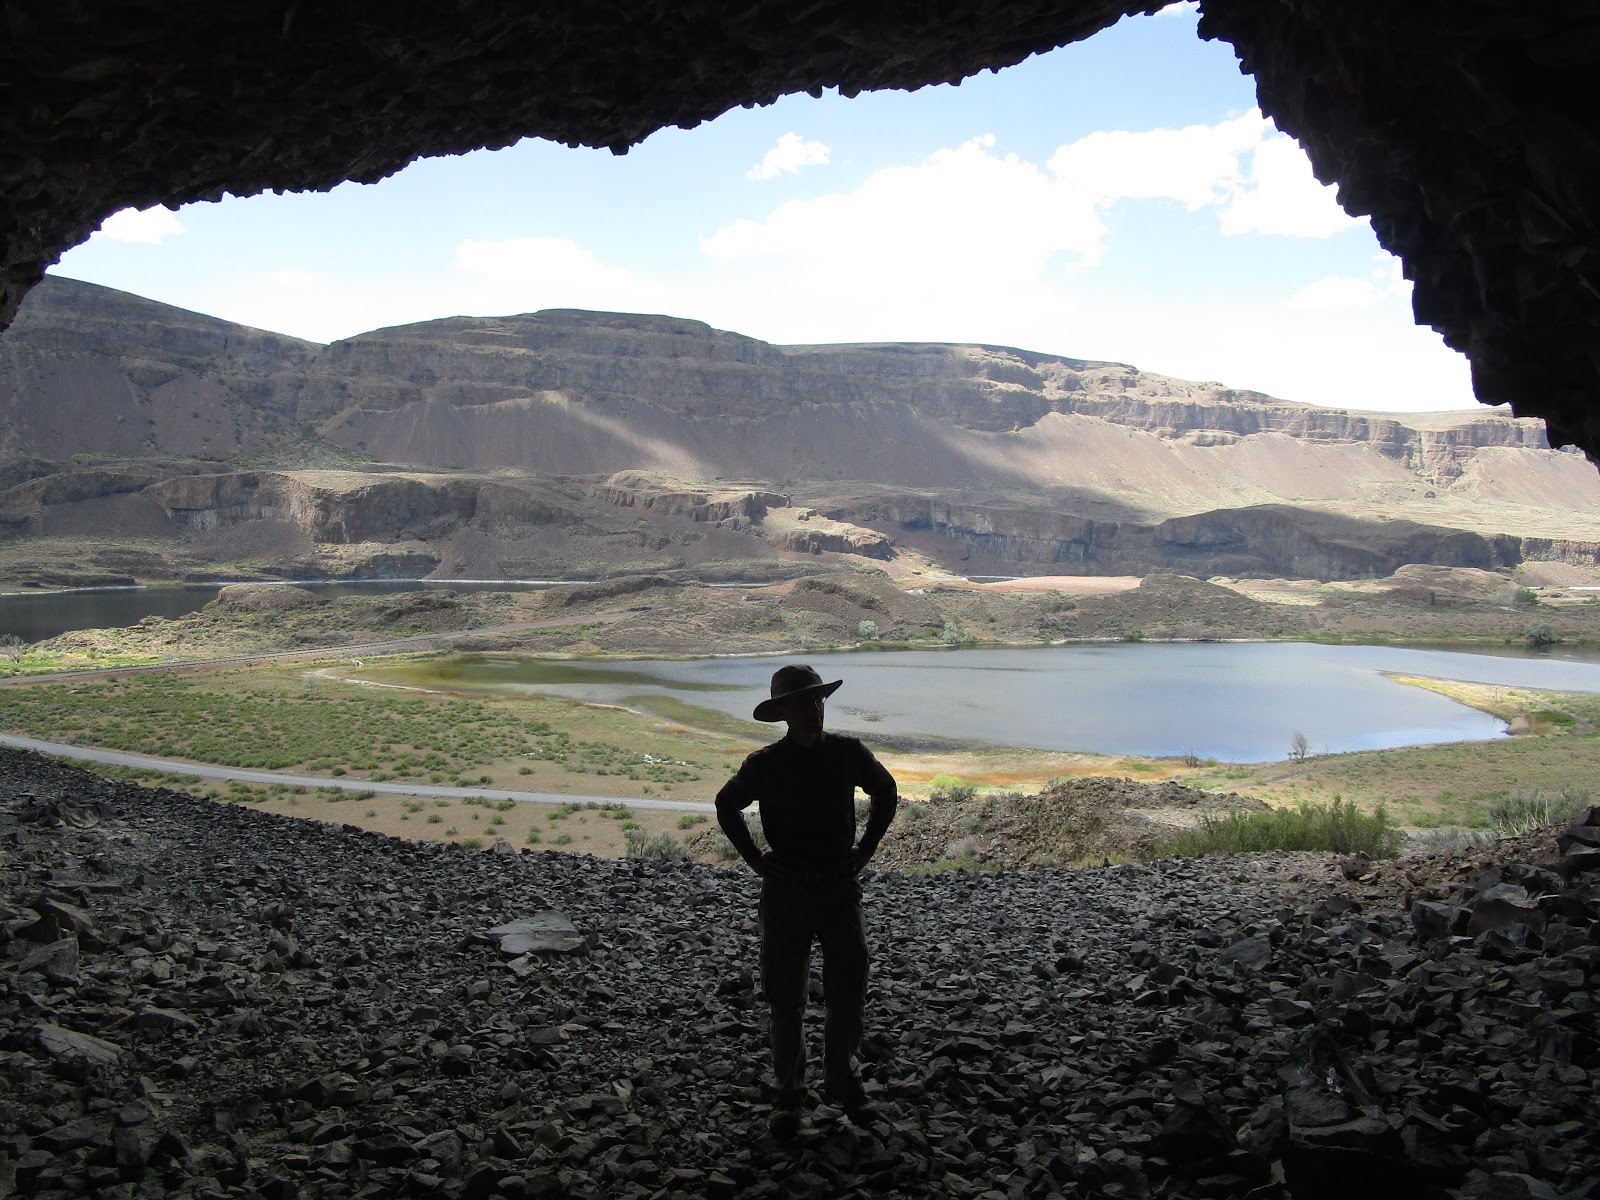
x=1465, y=131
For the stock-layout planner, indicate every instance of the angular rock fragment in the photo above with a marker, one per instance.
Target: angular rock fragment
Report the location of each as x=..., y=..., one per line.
x=548, y=932
x=71, y=1045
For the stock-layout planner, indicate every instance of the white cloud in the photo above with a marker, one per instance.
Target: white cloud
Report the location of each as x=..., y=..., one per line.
x=1258, y=179
x=1196, y=166
x=530, y=273
x=973, y=244
x=292, y=279
x=1282, y=196
x=787, y=157
x=149, y=227
x=1339, y=293
x=1183, y=8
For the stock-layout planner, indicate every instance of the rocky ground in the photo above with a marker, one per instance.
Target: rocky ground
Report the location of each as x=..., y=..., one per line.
x=1071, y=821
x=202, y=1000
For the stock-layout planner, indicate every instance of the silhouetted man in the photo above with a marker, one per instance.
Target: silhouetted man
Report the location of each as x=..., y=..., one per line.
x=805, y=785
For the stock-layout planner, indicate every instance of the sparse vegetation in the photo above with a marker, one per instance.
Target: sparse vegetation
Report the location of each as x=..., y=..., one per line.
x=662, y=845
x=1539, y=634
x=1340, y=828
x=950, y=789
x=1523, y=811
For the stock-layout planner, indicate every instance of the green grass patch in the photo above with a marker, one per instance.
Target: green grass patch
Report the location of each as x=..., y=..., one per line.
x=1339, y=828
x=1524, y=811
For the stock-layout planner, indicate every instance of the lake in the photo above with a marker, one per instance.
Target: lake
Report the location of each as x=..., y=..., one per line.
x=1239, y=702
x=35, y=616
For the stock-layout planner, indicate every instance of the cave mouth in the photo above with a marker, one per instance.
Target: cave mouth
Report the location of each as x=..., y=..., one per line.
x=1467, y=138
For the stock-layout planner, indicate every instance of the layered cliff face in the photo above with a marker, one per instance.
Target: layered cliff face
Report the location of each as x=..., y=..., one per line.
x=86, y=369
x=444, y=388
x=89, y=370
x=523, y=436
x=1264, y=540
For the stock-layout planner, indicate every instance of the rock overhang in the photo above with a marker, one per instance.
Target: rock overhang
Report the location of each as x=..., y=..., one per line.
x=1465, y=131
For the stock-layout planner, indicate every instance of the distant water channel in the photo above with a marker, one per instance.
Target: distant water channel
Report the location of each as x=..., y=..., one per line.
x=35, y=616
x=1239, y=702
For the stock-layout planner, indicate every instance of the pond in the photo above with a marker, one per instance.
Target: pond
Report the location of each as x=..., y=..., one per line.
x=35, y=616
x=1239, y=702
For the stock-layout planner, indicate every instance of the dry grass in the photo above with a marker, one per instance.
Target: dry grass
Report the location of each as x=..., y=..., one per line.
x=1453, y=784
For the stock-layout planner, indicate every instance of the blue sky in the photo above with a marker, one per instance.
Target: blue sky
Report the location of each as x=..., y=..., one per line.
x=1120, y=199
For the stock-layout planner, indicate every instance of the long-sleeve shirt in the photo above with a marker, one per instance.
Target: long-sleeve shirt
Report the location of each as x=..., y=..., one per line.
x=807, y=799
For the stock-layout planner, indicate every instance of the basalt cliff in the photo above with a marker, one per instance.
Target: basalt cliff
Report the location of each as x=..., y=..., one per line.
x=566, y=441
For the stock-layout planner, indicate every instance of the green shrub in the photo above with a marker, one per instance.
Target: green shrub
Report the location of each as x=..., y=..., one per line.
x=533, y=834
x=868, y=631
x=1134, y=635
x=472, y=843
x=950, y=788
x=1539, y=634
x=953, y=635
x=640, y=844
x=561, y=839
x=434, y=819
x=1340, y=828
x=1521, y=812
x=1447, y=839
x=690, y=820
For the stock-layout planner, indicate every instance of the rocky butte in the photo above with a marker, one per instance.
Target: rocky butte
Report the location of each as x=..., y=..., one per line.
x=564, y=441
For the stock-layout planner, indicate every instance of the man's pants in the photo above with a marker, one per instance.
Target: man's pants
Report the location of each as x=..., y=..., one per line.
x=792, y=915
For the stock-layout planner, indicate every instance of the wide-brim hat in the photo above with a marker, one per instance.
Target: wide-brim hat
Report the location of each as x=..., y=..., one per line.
x=789, y=682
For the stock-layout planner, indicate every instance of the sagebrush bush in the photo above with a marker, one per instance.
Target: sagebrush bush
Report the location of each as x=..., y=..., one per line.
x=1521, y=812
x=1340, y=828
x=640, y=844
x=1448, y=839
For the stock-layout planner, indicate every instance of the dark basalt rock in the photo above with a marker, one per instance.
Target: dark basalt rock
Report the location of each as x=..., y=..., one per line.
x=281, y=1008
x=1466, y=131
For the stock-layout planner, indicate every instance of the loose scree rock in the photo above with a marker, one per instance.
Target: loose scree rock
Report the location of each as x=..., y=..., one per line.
x=204, y=1000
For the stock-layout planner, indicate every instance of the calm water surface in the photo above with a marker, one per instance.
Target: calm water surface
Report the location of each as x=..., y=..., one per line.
x=34, y=616
x=1238, y=702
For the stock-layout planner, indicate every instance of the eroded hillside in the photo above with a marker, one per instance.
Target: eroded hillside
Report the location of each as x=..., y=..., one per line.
x=570, y=442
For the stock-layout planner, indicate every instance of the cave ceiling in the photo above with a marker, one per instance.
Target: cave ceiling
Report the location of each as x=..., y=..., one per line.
x=1466, y=130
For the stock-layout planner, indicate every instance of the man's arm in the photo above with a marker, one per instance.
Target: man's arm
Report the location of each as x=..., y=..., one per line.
x=881, y=789
x=732, y=800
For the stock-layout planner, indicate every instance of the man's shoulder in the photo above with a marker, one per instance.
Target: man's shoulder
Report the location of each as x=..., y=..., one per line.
x=769, y=753
x=846, y=746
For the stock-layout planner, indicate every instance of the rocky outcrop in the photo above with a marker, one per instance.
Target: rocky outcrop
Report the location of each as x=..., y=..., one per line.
x=357, y=508
x=631, y=490
x=805, y=531
x=1294, y=543
x=1260, y=540
x=90, y=370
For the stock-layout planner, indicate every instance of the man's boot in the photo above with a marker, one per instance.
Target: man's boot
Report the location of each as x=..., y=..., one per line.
x=849, y=1095
x=784, y=1124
